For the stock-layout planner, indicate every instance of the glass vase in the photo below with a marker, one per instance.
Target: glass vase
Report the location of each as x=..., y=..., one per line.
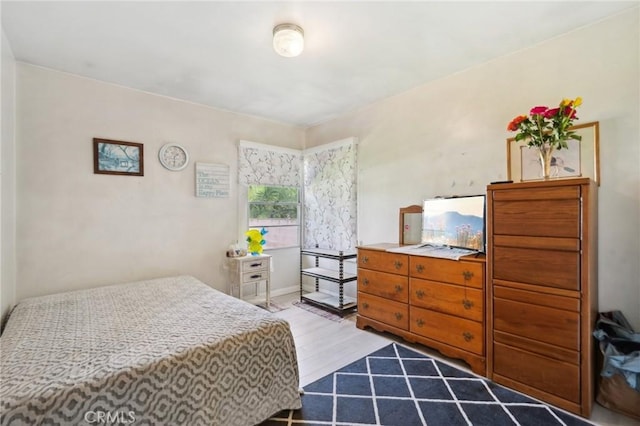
x=546, y=154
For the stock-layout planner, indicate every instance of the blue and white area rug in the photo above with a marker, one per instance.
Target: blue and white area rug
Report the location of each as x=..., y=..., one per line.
x=398, y=386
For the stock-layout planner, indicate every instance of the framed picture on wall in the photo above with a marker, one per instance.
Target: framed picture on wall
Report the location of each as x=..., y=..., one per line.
x=581, y=159
x=117, y=157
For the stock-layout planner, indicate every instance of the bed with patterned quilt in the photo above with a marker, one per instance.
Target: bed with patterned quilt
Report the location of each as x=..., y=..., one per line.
x=168, y=351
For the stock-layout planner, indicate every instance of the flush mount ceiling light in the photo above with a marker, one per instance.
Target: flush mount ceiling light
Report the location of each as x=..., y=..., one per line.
x=288, y=40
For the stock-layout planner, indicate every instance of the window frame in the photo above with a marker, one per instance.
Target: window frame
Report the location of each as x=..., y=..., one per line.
x=297, y=204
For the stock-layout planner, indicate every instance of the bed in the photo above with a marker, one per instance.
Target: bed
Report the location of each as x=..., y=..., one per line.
x=166, y=351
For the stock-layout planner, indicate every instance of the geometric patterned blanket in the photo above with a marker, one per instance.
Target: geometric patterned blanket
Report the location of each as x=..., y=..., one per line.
x=169, y=351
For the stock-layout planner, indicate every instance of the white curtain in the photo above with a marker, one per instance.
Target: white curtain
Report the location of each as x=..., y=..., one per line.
x=330, y=190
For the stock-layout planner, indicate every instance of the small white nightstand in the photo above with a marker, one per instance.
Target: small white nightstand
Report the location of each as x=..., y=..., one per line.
x=247, y=270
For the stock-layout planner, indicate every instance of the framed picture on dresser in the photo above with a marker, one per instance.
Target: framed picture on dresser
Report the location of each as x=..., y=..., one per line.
x=580, y=159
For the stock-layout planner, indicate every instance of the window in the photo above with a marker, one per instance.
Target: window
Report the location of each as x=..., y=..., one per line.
x=277, y=209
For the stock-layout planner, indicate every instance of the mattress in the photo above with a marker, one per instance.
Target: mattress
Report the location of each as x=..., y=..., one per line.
x=164, y=351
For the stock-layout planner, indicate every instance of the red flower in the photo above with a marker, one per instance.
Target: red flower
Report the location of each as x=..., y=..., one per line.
x=546, y=126
x=570, y=112
x=538, y=110
x=513, y=126
x=550, y=113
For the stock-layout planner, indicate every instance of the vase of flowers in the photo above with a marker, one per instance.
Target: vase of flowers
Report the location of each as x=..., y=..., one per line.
x=547, y=129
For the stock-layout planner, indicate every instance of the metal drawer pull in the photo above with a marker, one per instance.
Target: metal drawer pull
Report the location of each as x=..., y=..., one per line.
x=365, y=281
x=397, y=264
x=420, y=322
x=398, y=288
x=255, y=265
x=365, y=259
x=420, y=294
x=467, y=275
x=468, y=304
x=256, y=276
x=398, y=316
x=365, y=305
x=420, y=268
x=467, y=336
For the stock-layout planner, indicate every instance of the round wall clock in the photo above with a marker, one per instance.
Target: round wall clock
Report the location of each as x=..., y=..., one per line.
x=174, y=157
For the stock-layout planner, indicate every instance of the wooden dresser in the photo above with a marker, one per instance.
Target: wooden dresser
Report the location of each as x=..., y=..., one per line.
x=542, y=301
x=435, y=302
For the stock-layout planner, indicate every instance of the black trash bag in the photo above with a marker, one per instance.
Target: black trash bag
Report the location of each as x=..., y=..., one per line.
x=620, y=347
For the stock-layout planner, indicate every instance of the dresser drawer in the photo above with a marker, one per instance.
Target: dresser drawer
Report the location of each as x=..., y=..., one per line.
x=462, y=333
x=383, y=310
x=248, y=277
x=539, y=212
x=395, y=263
x=557, y=378
x=451, y=271
x=556, y=327
x=390, y=286
x=538, y=218
x=254, y=265
x=559, y=269
x=447, y=298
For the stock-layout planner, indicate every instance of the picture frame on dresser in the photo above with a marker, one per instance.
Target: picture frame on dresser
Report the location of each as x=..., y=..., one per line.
x=581, y=159
x=410, y=221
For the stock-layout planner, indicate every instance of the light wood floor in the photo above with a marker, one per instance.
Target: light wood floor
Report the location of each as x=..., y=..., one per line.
x=324, y=346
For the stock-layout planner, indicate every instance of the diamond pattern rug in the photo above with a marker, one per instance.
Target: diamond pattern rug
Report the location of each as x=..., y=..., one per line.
x=398, y=386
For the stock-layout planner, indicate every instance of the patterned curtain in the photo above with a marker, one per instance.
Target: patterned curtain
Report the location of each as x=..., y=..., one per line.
x=260, y=164
x=330, y=188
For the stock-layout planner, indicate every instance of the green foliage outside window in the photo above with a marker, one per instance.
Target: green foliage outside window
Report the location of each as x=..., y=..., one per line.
x=273, y=202
x=275, y=208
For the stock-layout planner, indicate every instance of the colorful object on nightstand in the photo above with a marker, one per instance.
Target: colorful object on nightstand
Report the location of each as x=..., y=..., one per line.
x=255, y=240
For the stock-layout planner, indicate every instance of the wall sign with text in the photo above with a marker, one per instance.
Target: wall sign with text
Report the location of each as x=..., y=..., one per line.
x=212, y=180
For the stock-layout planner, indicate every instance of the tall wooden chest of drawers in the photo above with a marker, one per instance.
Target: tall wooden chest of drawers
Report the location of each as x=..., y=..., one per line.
x=542, y=273
x=435, y=302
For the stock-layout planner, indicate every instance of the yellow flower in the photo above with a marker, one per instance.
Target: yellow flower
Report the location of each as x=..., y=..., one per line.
x=574, y=103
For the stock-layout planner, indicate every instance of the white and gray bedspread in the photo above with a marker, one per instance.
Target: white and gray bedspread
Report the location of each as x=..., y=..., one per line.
x=169, y=351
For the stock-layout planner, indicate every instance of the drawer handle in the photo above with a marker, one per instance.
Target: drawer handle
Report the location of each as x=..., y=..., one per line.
x=365, y=259
x=467, y=275
x=467, y=336
x=468, y=304
x=255, y=265
x=365, y=281
x=420, y=268
x=397, y=264
x=365, y=305
x=256, y=276
x=398, y=288
x=420, y=294
x=420, y=322
x=398, y=316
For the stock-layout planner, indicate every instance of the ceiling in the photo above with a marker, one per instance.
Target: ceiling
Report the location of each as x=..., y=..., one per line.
x=220, y=54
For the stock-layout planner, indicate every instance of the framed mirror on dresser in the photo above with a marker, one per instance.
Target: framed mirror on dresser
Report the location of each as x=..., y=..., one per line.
x=410, y=230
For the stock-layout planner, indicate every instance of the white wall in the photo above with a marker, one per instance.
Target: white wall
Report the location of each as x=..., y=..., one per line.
x=77, y=229
x=7, y=181
x=449, y=138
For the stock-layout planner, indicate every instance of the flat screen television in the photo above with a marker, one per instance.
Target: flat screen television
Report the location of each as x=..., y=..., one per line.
x=457, y=222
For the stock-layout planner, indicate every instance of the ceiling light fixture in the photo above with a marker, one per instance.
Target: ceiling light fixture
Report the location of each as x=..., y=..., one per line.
x=288, y=40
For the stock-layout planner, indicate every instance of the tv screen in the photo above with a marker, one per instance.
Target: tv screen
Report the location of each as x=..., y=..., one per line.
x=454, y=222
